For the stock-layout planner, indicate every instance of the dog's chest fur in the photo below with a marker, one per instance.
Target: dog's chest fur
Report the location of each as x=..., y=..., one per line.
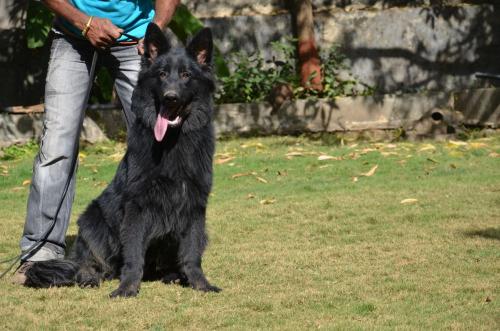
x=179, y=169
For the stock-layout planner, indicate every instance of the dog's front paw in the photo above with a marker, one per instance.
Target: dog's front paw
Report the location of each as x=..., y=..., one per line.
x=89, y=283
x=124, y=292
x=85, y=280
x=208, y=288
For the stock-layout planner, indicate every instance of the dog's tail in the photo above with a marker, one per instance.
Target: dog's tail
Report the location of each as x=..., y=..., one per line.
x=51, y=273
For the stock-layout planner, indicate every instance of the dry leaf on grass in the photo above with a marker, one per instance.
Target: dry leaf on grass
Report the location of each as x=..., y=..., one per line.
x=329, y=157
x=223, y=155
x=494, y=154
x=253, y=144
x=355, y=179
x=260, y=179
x=408, y=201
x=244, y=174
x=250, y=196
x=427, y=147
x=224, y=160
x=253, y=173
x=367, y=150
x=457, y=143
x=476, y=145
x=26, y=182
x=267, y=201
x=371, y=172
x=116, y=156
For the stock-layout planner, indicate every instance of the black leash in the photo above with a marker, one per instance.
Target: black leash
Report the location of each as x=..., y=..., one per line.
x=40, y=242
x=130, y=36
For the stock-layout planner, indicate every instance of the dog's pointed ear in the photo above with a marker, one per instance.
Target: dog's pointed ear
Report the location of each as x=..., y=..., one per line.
x=201, y=47
x=155, y=42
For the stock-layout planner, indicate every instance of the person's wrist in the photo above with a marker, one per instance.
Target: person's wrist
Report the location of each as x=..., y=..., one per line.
x=87, y=26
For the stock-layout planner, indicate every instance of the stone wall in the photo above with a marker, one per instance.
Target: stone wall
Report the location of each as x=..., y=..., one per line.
x=399, y=49
x=223, y=8
x=394, y=46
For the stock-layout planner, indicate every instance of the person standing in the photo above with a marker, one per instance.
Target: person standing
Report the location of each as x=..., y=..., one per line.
x=115, y=29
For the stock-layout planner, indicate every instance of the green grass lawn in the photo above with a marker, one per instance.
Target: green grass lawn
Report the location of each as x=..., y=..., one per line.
x=304, y=235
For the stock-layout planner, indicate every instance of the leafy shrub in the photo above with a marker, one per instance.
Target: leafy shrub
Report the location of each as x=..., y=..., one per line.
x=332, y=66
x=253, y=78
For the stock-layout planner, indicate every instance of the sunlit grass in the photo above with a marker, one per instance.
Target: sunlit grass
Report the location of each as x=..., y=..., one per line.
x=303, y=236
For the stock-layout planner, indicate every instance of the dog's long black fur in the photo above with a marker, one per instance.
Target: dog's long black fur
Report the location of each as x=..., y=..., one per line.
x=149, y=223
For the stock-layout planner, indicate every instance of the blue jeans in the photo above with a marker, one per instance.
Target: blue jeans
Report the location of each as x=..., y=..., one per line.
x=65, y=92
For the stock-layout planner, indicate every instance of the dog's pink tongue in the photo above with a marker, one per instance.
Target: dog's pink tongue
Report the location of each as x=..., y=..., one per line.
x=161, y=127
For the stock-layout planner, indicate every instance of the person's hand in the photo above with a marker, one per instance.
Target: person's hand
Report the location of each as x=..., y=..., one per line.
x=102, y=33
x=140, y=47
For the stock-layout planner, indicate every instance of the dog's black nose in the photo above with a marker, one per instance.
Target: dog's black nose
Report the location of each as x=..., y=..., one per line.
x=171, y=96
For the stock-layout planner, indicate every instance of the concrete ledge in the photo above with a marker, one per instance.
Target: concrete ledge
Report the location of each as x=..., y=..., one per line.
x=480, y=107
x=18, y=128
x=241, y=118
x=358, y=113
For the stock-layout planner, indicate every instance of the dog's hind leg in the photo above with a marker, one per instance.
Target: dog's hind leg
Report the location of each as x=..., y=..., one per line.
x=191, y=247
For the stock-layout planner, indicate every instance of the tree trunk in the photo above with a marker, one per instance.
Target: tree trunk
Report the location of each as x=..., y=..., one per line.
x=309, y=61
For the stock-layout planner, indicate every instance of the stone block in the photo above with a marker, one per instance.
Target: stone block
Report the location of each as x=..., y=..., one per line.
x=20, y=128
x=357, y=113
x=243, y=119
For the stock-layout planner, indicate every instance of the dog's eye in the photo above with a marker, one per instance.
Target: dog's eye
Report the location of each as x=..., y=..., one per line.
x=185, y=75
x=163, y=74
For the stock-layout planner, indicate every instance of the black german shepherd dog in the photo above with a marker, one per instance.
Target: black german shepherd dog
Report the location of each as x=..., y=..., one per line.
x=149, y=223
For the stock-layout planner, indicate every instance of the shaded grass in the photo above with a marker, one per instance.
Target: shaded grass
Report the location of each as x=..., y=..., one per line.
x=299, y=243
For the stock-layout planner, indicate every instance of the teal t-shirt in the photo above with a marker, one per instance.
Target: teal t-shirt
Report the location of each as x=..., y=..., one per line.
x=133, y=16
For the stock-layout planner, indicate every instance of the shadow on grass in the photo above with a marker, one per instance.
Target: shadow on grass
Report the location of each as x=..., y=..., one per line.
x=488, y=233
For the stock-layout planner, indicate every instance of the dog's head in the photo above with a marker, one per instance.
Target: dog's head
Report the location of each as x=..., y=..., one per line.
x=180, y=79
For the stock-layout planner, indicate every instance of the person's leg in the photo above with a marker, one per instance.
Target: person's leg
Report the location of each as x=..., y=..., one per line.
x=65, y=92
x=124, y=62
